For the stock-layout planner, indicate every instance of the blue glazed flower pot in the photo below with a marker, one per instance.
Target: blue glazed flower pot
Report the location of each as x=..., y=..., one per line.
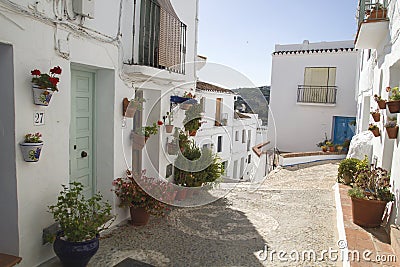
x=31, y=151
x=75, y=254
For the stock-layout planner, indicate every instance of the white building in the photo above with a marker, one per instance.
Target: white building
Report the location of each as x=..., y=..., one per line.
x=230, y=134
x=377, y=37
x=312, y=94
x=105, y=56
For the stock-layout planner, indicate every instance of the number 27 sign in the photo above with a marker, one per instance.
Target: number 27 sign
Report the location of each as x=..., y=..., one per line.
x=38, y=118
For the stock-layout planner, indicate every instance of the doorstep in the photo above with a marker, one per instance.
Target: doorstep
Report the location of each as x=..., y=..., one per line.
x=361, y=239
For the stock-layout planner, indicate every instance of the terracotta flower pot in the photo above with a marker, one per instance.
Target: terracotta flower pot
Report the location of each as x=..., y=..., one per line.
x=324, y=149
x=331, y=149
x=367, y=213
x=138, y=141
x=376, y=132
x=392, y=132
x=193, y=133
x=139, y=216
x=169, y=128
x=381, y=104
x=376, y=116
x=181, y=194
x=393, y=106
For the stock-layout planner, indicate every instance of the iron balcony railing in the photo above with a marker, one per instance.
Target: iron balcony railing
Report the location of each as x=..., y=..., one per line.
x=162, y=37
x=316, y=94
x=372, y=10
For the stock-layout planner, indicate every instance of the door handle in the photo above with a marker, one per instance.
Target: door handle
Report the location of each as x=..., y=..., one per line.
x=83, y=154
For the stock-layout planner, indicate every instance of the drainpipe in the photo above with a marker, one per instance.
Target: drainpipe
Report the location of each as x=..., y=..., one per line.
x=196, y=41
x=133, y=31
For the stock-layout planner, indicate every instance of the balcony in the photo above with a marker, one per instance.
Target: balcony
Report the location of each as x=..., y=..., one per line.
x=160, y=43
x=373, y=23
x=316, y=94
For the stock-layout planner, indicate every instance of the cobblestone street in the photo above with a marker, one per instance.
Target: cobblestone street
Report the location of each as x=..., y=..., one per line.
x=294, y=209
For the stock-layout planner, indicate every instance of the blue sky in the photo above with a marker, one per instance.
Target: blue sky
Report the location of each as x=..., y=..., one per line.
x=242, y=34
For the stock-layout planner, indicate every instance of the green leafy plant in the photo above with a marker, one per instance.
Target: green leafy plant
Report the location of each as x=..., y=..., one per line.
x=378, y=98
x=193, y=117
x=373, y=127
x=132, y=192
x=80, y=219
x=195, y=167
x=323, y=143
x=346, y=143
x=356, y=192
x=147, y=131
x=188, y=95
x=33, y=138
x=395, y=94
x=46, y=81
x=349, y=167
x=375, y=184
x=138, y=102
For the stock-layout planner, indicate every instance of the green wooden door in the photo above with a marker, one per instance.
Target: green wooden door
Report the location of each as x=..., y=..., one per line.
x=81, y=130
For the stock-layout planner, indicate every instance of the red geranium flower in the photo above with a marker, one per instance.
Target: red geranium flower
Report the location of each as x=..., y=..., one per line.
x=56, y=70
x=35, y=72
x=159, y=123
x=54, y=80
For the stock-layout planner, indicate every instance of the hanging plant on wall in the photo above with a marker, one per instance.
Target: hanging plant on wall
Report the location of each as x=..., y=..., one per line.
x=192, y=119
x=44, y=85
x=31, y=147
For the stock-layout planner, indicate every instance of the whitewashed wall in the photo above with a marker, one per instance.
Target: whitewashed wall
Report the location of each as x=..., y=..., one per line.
x=299, y=127
x=382, y=69
x=33, y=42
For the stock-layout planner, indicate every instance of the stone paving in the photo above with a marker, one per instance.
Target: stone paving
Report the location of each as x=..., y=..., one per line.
x=293, y=210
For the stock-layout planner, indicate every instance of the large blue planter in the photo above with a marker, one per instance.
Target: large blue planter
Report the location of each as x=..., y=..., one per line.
x=75, y=254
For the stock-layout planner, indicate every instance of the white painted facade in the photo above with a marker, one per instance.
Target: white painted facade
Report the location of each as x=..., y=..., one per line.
x=379, y=68
x=238, y=136
x=297, y=126
x=41, y=36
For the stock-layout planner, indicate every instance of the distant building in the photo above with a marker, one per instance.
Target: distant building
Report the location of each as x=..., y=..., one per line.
x=230, y=134
x=254, y=100
x=312, y=94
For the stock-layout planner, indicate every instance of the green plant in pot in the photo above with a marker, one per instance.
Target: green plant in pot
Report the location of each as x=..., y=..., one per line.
x=374, y=129
x=135, y=191
x=349, y=167
x=140, y=136
x=394, y=100
x=44, y=85
x=169, y=127
x=192, y=119
x=31, y=147
x=376, y=115
x=381, y=102
x=369, y=196
x=392, y=128
x=81, y=220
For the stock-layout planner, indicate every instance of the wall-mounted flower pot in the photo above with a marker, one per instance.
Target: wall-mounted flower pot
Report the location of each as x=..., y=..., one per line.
x=393, y=106
x=31, y=151
x=193, y=133
x=376, y=116
x=41, y=96
x=392, y=132
x=331, y=149
x=376, y=132
x=138, y=141
x=169, y=128
x=172, y=148
x=381, y=104
x=129, y=108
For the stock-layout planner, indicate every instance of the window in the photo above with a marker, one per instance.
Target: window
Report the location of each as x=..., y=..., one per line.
x=203, y=104
x=235, y=169
x=319, y=86
x=244, y=136
x=320, y=76
x=225, y=167
x=218, y=110
x=219, y=148
x=237, y=136
x=249, y=159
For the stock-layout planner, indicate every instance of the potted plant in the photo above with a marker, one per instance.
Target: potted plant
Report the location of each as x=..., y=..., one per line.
x=330, y=146
x=369, y=196
x=346, y=144
x=339, y=148
x=132, y=191
x=141, y=135
x=324, y=148
x=376, y=115
x=169, y=127
x=189, y=100
x=392, y=128
x=348, y=169
x=374, y=129
x=381, y=102
x=394, y=100
x=192, y=119
x=81, y=220
x=31, y=147
x=130, y=107
x=378, y=11
x=44, y=85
